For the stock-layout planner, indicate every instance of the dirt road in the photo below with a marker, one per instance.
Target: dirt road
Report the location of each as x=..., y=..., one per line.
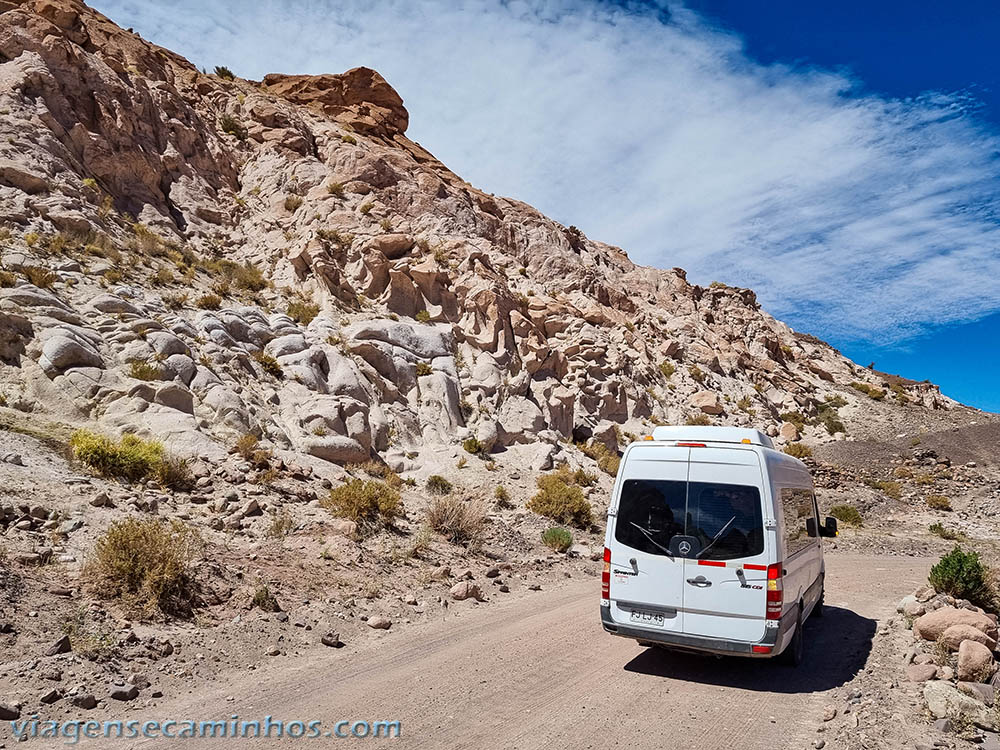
x=540, y=670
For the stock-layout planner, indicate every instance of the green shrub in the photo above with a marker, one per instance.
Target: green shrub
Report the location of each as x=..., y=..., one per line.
x=438, y=485
x=232, y=126
x=696, y=374
x=142, y=370
x=847, y=514
x=423, y=317
x=745, y=404
x=269, y=364
x=223, y=72
x=372, y=504
x=209, y=302
x=366, y=208
x=7, y=279
x=607, y=460
x=938, y=502
x=473, y=446
x=557, y=539
x=667, y=369
x=145, y=563
x=423, y=369
x=963, y=575
x=560, y=500
x=302, y=312
x=945, y=533
x=349, y=139
x=263, y=599
x=698, y=420
x=798, y=450
x=503, y=497
x=132, y=458
x=336, y=189
x=460, y=521
x=292, y=203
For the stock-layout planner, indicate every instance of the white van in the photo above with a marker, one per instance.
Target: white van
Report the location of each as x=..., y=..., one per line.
x=713, y=544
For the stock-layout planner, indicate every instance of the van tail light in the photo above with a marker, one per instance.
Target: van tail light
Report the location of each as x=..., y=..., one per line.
x=690, y=445
x=775, y=592
x=606, y=577
x=761, y=649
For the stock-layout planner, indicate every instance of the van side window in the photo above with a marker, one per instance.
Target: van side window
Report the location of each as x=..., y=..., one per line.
x=799, y=510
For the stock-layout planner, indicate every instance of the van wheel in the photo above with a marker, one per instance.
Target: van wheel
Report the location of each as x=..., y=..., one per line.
x=792, y=655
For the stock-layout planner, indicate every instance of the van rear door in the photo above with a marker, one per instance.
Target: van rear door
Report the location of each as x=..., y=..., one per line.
x=725, y=579
x=647, y=580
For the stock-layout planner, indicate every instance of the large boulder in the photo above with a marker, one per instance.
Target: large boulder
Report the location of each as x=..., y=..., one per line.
x=62, y=352
x=975, y=662
x=788, y=431
x=931, y=626
x=707, y=401
x=955, y=635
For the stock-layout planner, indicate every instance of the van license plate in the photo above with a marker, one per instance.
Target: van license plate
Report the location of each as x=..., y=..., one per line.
x=647, y=618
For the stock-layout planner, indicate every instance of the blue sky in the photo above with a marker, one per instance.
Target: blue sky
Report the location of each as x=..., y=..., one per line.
x=898, y=50
x=841, y=159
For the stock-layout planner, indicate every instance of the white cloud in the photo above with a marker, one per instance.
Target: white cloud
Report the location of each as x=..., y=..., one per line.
x=852, y=216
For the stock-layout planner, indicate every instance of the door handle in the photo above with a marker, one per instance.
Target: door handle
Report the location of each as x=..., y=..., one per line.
x=700, y=581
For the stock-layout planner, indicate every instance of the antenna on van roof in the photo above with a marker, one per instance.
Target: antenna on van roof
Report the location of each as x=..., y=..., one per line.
x=695, y=433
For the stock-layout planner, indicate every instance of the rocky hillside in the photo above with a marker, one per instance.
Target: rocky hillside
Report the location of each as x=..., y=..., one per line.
x=270, y=279
x=196, y=256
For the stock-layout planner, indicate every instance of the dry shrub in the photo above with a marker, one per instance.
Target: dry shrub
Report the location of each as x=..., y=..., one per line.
x=460, y=521
x=798, y=450
x=938, y=502
x=269, y=364
x=146, y=564
x=372, y=505
x=302, y=312
x=607, y=460
x=438, y=485
x=561, y=500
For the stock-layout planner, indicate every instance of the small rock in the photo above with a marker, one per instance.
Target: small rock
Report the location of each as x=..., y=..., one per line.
x=52, y=696
x=920, y=672
x=9, y=712
x=84, y=700
x=332, y=640
x=465, y=590
x=123, y=692
x=829, y=713
x=379, y=623
x=61, y=646
x=440, y=573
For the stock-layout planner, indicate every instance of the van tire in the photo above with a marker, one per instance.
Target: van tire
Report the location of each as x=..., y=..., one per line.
x=792, y=655
x=818, y=607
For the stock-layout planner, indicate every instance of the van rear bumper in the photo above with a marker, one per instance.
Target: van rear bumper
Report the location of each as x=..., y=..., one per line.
x=775, y=638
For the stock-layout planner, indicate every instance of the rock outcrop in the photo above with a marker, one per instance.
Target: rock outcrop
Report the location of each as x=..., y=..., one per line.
x=196, y=256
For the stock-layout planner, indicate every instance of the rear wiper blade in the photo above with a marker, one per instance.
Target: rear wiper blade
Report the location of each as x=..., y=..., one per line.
x=649, y=535
x=716, y=537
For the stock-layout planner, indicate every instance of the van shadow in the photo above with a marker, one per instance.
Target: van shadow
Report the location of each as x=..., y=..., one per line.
x=836, y=649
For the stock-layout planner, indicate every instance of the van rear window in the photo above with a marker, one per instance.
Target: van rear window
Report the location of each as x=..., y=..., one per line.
x=718, y=521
